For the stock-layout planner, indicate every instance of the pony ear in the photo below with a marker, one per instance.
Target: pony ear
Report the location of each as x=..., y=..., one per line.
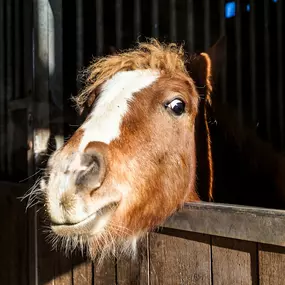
x=204, y=68
x=200, y=70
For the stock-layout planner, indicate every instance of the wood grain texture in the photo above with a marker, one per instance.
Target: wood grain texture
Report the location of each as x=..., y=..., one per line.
x=184, y=259
x=231, y=221
x=271, y=264
x=53, y=267
x=131, y=271
x=105, y=273
x=82, y=271
x=233, y=262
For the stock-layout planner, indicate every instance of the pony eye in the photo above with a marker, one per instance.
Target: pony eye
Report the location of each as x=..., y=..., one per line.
x=177, y=106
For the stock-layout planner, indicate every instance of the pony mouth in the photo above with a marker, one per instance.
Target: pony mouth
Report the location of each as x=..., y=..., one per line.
x=92, y=225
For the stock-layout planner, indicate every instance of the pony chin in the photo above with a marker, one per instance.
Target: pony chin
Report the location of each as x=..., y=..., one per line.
x=107, y=243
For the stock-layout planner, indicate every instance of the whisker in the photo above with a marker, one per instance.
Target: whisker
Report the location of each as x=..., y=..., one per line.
x=30, y=176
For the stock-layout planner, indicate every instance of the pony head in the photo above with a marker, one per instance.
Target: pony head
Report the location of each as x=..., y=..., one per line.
x=132, y=162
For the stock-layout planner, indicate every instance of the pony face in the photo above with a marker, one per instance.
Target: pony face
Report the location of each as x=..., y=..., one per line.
x=132, y=163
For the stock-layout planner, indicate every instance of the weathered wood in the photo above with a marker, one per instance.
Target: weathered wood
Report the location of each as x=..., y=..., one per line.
x=53, y=266
x=39, y=113
x=63, y=271
x=271, y=264
x=132, y=271
x=105, y=273
x=82, y=271
x=183, y=259
x=55, y=22
x=234, y=262
x=44, y=256
x=239, y=222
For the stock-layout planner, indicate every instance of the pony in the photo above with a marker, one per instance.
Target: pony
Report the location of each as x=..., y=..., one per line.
x=132, y=163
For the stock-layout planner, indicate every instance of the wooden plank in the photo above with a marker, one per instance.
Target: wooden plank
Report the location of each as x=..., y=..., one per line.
x=105, y=273
x=39, y=112
x=271, y=264
x=41, y=128
x=184, y=259
x=234, y=262
x=55, y=22
x=28, y=77
x=63, y=270
x=82, y=271
x=239, y=222
x=13, y=238
x=134, y=270
x=54, y=268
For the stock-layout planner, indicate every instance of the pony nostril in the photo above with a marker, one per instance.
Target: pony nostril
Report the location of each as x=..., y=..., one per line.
x=93, y=169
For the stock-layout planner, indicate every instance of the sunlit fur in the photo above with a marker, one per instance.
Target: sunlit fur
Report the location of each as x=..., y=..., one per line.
x=150, y=166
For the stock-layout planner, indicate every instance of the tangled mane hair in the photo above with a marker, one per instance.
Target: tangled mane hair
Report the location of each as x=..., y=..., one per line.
x=167, y=58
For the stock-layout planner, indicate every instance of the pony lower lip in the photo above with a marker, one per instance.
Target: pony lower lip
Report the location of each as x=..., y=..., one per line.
x=84, y=227
x=80, y=228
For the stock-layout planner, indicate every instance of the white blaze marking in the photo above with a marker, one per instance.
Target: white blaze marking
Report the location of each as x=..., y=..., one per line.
x=112, y=105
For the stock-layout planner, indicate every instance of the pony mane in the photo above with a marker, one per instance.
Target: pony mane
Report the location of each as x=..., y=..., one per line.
x=167, y=58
